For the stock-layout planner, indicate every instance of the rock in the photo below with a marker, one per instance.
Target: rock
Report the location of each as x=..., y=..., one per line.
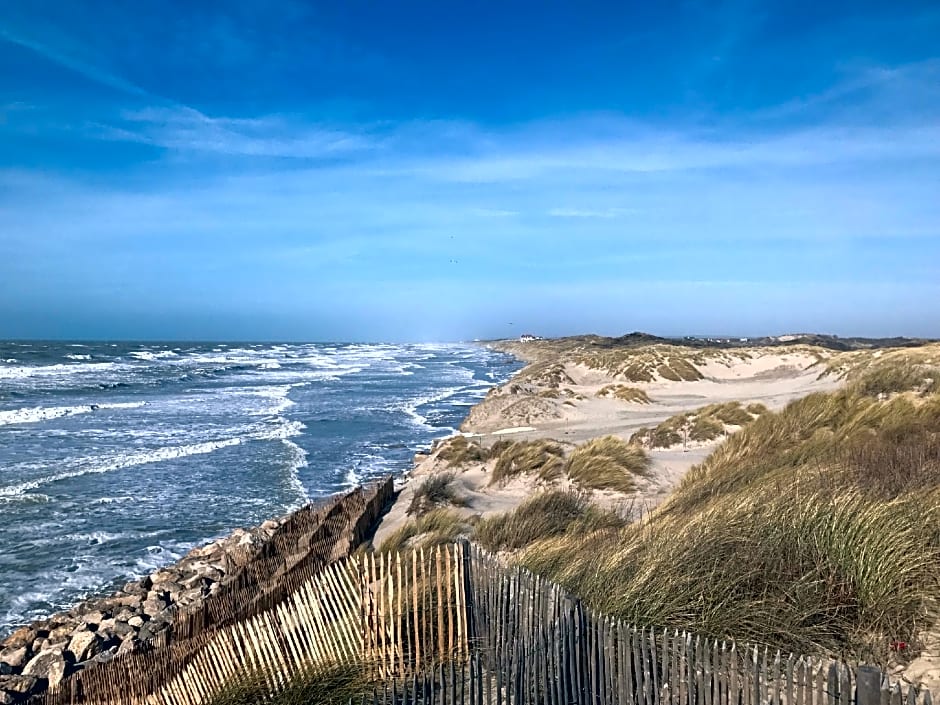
x=49, y=665
x=106, y=626
x=168, y=587
x=6, y=698
x=24, y=636
x=129, y=646
x=62, y=633
x=84, y=645
x=91, y=620
x=18, y=684
x=14, y=657
x=122, y=629
x=106, y=656
x=155, y=604
x=136, y=621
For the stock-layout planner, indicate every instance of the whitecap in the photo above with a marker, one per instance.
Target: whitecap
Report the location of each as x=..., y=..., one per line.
x=47, y=413
x=119, y=462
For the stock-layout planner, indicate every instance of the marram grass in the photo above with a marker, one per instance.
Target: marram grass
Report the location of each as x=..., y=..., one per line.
x=546, y=514
x=320, y=685
x=815, y=529
x=607, y=463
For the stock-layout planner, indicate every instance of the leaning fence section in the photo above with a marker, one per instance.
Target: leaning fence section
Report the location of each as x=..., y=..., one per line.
x=455, y=626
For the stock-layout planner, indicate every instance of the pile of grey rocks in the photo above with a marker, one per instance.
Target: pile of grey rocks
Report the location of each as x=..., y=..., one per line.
x=97, y=630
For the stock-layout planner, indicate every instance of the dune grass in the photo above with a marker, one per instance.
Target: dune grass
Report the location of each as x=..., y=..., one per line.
x=459, y=450
x=607, y=463
x=436, y=491
x=437, y=527
x=546, y=514
x=538, y=457
x=815, y=529
x=624, y=393
x=321, y=685
x=705, y=424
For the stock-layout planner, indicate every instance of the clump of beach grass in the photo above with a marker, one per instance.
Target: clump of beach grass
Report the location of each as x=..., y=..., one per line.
x=436, y=491
x=705, y=424
x=437, y=527
x=537, y=457
x=607, y=463
x=624, y=393
x=459, y=450
x=544, y=515
x=318, y=685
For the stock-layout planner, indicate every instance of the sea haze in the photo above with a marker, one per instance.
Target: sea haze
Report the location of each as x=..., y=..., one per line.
x=116, y=458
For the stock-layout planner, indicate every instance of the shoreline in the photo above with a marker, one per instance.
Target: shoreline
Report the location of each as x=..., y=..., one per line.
x=138, y=615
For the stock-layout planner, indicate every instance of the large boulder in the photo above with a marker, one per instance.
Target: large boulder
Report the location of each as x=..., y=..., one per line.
x=24, y=636
x=19, y=685
x=15, y=657
x=84, y=645
x=50, y=666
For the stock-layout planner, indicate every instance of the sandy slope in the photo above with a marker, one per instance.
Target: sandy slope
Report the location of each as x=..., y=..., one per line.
x=527, y=408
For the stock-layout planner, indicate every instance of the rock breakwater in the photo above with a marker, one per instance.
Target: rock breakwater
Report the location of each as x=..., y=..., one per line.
x=194, y=594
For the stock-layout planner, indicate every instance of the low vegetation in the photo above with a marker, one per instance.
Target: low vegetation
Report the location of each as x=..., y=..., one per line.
x=705, y=424
x=538, y=457
x=437, y=527
x=436, y=491
x=815, y=529
x=546, y=514
x=459, y=450
x=607, y=463
x=323, y=685
x=624, y=393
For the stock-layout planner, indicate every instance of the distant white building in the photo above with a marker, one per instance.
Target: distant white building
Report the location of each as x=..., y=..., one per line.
x=528, y=338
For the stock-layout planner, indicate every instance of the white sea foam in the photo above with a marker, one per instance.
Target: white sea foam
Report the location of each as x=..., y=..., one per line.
x=25, y=372
x=119, y=462
x=150, y=356
x=9, y=360
x=46, y=413
x=410, y=407
x=78, y=357
x=298, y=461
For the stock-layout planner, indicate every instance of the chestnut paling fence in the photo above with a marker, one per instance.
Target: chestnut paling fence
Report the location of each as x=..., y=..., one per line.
x=454, y=626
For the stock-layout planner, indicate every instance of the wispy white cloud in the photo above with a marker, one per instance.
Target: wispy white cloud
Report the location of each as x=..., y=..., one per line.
x=185, y=129
x=79, y=65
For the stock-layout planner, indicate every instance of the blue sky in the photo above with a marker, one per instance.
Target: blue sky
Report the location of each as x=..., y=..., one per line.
x=418, y=171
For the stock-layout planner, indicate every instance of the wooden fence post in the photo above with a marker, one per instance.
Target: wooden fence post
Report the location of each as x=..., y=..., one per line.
x=868, y=685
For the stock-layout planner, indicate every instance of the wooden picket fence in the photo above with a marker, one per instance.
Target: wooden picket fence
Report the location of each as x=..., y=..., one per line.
x=455, y=626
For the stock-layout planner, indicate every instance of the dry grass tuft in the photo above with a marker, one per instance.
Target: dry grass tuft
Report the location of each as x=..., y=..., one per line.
x=705, y=424
x=608, y=463
x=319, y=685
x=625, y=393
x=437, y=527
x=459, y=450
x=544, y=515
x=541, y=457
x=435, y=491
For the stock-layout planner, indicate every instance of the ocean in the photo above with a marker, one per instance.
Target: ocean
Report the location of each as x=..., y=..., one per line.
x=117, y=458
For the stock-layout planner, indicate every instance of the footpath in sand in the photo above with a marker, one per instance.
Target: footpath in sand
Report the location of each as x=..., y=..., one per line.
x=571, y=397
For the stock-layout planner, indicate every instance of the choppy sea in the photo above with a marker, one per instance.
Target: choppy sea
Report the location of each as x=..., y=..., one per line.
x=117, y=458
